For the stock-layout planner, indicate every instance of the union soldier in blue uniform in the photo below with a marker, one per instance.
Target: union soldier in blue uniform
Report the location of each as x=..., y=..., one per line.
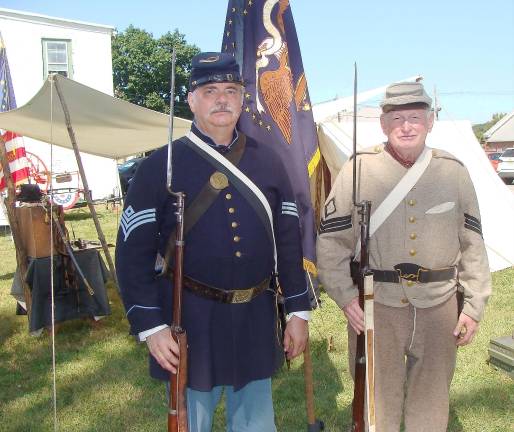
x=231, y=255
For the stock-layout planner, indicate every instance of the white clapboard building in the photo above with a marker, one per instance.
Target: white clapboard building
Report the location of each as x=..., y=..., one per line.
x=39, y=45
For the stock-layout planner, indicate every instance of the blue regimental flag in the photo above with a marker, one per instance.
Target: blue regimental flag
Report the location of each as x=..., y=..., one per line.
x=276, y=111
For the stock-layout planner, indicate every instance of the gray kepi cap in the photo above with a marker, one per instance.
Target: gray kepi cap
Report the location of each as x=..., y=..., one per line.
x=405, y=95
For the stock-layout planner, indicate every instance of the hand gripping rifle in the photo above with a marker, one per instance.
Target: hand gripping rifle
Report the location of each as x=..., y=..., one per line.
x=177, y=410
x=364, y=381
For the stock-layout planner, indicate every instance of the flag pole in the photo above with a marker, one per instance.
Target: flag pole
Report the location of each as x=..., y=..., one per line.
x=21, y=253
x=87, y=194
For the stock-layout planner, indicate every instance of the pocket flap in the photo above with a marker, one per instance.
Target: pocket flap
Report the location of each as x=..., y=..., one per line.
x=441, y=208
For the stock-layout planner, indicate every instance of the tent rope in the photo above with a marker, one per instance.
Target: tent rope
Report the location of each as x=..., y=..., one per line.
x=52, y=291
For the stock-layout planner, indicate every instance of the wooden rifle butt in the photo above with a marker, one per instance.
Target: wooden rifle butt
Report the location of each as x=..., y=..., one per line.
x=359, y=386
x=177, y=410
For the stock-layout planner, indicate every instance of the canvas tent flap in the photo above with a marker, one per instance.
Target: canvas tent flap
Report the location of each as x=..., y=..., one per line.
x=496, y=201
x=103, y=125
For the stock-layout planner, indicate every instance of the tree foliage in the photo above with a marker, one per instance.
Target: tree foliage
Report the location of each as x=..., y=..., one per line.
x=482, y=128
x=142, y=69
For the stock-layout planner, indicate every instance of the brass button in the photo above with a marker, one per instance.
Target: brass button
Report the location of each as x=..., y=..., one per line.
x=238, y=254
x=412, y=202
x=234, y=224
x=412, y=219
x=410, y=283
x=231, y=210
x=237, y=238
x=413, y=236
x=404, y=300
x=412, y=252
x=228, y=196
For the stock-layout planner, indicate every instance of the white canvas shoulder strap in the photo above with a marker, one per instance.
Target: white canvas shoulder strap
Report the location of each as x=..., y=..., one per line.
x=398, y=193
x=238, y=173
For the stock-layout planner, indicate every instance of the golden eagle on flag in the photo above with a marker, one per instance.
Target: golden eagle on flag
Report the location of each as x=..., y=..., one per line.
x=261, y=35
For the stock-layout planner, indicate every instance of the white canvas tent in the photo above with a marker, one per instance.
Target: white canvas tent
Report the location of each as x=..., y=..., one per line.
x=103, y=125
x=106, y=129
x=495, y=199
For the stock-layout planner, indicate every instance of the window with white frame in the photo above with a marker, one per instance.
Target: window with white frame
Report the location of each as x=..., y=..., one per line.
x=57, y=57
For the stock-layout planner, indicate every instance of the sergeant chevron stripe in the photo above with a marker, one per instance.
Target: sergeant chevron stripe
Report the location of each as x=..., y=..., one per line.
x=131, y=219
x=289, y=208
x=473, y=224
x=335, y=224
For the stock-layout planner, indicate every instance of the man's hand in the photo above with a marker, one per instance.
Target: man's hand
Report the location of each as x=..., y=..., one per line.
x=355, y=315
x=164, y=349
x=466, y=330
x=296, y=336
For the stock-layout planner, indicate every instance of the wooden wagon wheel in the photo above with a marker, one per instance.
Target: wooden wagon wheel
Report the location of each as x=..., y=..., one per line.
x=38, y=172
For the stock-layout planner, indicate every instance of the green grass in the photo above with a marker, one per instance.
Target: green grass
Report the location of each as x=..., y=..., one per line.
x=103, y=385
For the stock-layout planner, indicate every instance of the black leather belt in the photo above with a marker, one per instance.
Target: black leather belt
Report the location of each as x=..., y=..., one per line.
x=226, y=296
x=409, y=271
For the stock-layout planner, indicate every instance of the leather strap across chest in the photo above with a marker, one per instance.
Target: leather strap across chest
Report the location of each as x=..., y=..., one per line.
x=203, y=201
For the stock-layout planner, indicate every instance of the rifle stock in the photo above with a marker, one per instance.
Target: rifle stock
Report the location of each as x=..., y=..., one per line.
x=177, y=413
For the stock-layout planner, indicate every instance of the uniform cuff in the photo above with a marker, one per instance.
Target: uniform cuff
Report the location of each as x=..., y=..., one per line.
x=305, y=315
x=144, y=334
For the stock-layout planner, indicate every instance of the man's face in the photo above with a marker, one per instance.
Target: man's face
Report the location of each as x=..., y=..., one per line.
x=407, y=129
x=216, y=105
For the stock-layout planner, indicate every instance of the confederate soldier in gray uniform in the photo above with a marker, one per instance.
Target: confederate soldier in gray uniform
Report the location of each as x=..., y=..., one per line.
x=428, y=247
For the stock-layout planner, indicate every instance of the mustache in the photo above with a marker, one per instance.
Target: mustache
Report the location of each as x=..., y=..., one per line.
x=221, y=108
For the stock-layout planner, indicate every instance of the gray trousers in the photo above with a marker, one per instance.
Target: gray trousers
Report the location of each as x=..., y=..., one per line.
x=415, y=356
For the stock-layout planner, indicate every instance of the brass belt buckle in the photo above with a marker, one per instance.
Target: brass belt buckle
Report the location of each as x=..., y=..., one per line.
x=242, y=296
x=410, y=276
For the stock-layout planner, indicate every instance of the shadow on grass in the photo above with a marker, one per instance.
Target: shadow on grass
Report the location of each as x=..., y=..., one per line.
x=12, y=324
x=494, y=399
x=79, y=216
x=289, y=392
x=5, y=231
x=7, y=276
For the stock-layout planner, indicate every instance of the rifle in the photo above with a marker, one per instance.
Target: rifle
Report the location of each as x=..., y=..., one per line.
x=177, y=409
x=364, y=355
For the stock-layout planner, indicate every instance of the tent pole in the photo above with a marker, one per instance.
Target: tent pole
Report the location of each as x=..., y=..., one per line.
x=87, y=195
x=21, y=253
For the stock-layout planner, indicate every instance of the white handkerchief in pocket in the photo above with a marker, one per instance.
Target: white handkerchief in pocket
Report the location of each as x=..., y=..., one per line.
x=441, y=208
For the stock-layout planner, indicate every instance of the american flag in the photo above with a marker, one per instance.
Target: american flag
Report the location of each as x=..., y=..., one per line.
x=14, y=145
x=261, y=35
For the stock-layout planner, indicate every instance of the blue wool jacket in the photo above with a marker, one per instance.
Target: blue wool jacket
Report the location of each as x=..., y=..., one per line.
x=228, y=248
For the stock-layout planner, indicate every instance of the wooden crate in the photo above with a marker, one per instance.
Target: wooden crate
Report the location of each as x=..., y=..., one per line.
x=501, y=354
x=35, y=230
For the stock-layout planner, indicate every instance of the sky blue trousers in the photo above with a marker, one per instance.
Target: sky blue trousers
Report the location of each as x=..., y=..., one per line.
x=249, y=409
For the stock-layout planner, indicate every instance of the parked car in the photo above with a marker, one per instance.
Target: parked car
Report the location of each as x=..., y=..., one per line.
x=506, y=166
x=127, y=171
x=494, y=158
